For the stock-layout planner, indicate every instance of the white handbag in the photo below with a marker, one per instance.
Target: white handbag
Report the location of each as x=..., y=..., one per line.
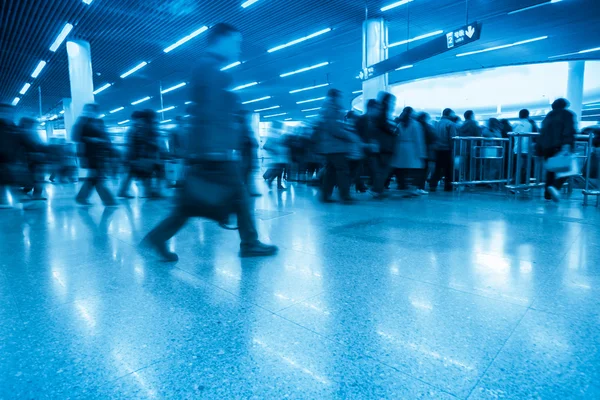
x=561, y=162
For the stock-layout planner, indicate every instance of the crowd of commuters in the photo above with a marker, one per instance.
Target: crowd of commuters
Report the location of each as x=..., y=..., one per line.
x=219, y=151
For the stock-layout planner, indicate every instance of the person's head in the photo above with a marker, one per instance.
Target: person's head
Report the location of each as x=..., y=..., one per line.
x=448, y=113
x=424, y=117
x=494, y=125
x=469, y=115
x=524, y=114
x=333, y=100
x=7, y=112
x=351, y=117
x=137, y=117
x=225, y=40
x=560, y=104
x=387, y=102
x=27, y=124
x=91, y=110
x=406, y=115
x=245, y=117
x=150, y=118
x=372, y=107
x=506, y=126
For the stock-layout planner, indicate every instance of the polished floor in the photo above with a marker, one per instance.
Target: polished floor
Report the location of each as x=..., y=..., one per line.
x=476, y=296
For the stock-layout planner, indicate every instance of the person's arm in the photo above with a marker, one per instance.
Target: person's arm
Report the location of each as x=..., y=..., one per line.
x=569, y=131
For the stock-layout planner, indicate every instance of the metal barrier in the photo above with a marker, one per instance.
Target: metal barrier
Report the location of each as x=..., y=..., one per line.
x=525, y=169
x=479, y=161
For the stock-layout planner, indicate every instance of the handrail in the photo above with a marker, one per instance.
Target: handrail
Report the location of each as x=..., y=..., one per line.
x=478, y=138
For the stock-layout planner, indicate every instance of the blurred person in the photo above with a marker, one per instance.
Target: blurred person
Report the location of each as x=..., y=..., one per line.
x=430, y=141
x=8, y=132
x=410, y=152
x=493, y=129
x=506, y=128
x=470, y=128
x=279, y=154
x=335, y=141
x=384, y=135
x=556, y=135
x=211, y=141
x=523, y=125
x=249, y=153
x=95, y=148
x=357, y=153
x=444, y=164
x=365, y=125
x=33, y=154
x=135, y=149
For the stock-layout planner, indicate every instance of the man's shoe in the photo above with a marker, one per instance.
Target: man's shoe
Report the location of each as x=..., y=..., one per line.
x=257, y=249
x=160, y=248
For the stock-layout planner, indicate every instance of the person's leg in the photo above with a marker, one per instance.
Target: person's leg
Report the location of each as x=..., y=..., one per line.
x=105, y=194
x=342, y=171
x=379, y=173
x=438, y=171
x=125, y=184
x=448, y=170
x=328, y=181
x=86, y=189
x=158, y=237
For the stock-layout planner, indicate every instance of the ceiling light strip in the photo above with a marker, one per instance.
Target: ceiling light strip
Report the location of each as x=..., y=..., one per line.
x=232, y=65
x=421, y=37
x=247, y=85
x=166, y=109
x=275, y=115
x=394, y=5
x=302, y=39
x=179, y=85
x=38, y=69
x=61, y=37
x=266, y=109
x=140, y=100
x=25, y=88
x=309, y=88
x=534, y=6
x=257, y=100
x=248, y=3
x=185, y=39
x=304, y=69
x=116, y=110
x=102, y=88
x=134, y=69
x=311, y=100
x=502, y=47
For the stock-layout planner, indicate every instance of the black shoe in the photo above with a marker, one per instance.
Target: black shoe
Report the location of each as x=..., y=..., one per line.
x=257, y=249
x=160, y=248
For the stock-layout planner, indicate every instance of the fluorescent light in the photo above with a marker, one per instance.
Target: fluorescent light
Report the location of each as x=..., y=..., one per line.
x=589, y=50
x=137, y=67
x=101, y=115
x=38, y=69
x=311, y=109
x=310, y=100
x=288, y=119
x=15, y=101
x=425, y=36
x=502, y=47
x=591, y=105
x=185, y=39
x=187, y=102
x=61, y=112
x=100, y=89
x=25, y=88
x=248, y=3
x=61, y=37
x=123, y=122
x=404, y=67
x=247, y=85
x=302, y=39
x=141, y=100
x=265, y=109
x=116, y=110
x=396, y=4
x=577, y=52
x=534, y=6
x=274, y=115
x=88, y=2
x=166, y=109
x=304, y=69
x=164, y=121
x=255, y=100
x=357, y=92
x=312, y=115
x=235, y=64
x=179, y=85
x=309, y=88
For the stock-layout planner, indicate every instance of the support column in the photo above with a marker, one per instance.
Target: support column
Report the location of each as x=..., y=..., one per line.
x=575, y=87
x=80, y=77
x=375, y=38
x=68, y=116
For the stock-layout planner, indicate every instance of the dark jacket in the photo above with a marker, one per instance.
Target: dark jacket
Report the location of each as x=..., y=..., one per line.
x=214, y=131
x=384, y=134
x=333, y=135
x=446, y=130
x=365, y=127
x=558, y=129
x=8, y=142
x=470, y=129
x=94, y=143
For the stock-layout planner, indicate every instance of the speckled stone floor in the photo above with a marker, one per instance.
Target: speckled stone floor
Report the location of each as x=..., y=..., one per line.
x=476, y=296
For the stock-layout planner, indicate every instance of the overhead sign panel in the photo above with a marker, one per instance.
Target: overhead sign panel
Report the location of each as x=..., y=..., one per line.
x=450, y=41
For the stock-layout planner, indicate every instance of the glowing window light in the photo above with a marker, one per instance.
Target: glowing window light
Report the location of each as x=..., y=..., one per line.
x=186, y=39
x=61, y=37
x=134, y=69
x=503, y=46
x=302, y=39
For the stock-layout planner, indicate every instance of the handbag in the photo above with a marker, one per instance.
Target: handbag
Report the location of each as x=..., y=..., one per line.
x=209, y=194
x=561, y=162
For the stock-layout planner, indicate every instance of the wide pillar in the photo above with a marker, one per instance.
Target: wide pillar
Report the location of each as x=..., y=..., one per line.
x=80, y=77
x=575, y=86
x=375, y=38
